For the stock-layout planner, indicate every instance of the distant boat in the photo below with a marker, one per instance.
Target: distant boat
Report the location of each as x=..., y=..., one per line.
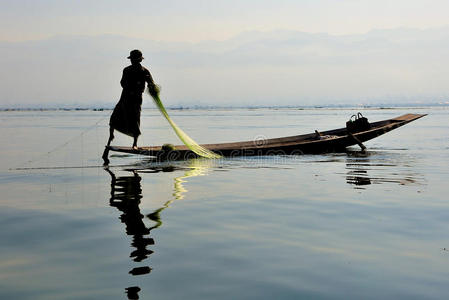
x=314, y=143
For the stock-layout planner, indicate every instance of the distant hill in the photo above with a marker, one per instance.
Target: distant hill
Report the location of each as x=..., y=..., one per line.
x=253, y=68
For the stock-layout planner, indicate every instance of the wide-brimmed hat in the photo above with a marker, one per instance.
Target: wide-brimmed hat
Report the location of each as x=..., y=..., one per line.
x=135, y=54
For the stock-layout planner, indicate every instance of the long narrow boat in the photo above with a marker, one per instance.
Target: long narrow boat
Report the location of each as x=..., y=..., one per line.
x=324, y=142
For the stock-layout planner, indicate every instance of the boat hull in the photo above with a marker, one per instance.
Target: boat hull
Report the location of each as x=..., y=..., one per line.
x=336, y=140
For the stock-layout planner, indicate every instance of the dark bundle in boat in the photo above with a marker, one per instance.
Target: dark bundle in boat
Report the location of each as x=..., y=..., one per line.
x=357, y=123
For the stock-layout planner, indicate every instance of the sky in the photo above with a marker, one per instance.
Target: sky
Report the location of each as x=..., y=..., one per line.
x=196, y=20
x=225, y=30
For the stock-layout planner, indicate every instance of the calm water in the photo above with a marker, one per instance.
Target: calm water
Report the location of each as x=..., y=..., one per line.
x=334, y=226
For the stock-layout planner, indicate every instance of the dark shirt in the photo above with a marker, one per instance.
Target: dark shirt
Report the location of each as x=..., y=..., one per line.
x=134, y=78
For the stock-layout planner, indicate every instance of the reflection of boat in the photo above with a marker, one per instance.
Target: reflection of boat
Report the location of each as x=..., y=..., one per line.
x=358, y=177
x=357, y=174
x=380, y=168
x=329, y=141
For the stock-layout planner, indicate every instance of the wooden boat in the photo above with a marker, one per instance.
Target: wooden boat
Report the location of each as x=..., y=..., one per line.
x=325, y=142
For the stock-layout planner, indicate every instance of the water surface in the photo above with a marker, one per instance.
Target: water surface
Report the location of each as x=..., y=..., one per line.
x=333, y=226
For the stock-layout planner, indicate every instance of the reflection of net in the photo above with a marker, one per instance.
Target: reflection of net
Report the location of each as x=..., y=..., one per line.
x=198, y=168
x=188, y=141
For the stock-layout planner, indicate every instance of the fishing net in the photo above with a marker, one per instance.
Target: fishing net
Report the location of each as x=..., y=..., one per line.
x=154, y=91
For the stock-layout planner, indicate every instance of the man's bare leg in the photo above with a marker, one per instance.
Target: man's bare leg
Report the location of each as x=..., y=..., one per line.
x=106, y=150
x=111, y=136
x=135, y=142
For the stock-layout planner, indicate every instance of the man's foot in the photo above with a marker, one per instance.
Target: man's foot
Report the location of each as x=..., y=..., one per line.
x=135, y=147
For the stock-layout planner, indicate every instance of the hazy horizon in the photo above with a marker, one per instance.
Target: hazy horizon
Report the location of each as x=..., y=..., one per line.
x=226, y=53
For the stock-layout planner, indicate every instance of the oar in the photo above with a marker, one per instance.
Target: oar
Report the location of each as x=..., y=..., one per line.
x=357, y=141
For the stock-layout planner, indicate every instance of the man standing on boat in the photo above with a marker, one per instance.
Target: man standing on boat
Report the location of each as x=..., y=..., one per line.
x=126, y=115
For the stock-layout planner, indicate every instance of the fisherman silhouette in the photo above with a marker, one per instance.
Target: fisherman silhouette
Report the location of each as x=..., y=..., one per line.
x=126, y=115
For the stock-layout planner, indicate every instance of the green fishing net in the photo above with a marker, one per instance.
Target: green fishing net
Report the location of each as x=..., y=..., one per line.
x=154, y=91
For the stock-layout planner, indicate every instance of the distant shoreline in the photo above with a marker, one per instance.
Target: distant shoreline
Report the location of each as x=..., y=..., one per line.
x=200, y=107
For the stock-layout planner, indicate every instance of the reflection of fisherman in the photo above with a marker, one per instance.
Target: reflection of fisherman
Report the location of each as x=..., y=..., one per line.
x=126, y=115
x=126, y=192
